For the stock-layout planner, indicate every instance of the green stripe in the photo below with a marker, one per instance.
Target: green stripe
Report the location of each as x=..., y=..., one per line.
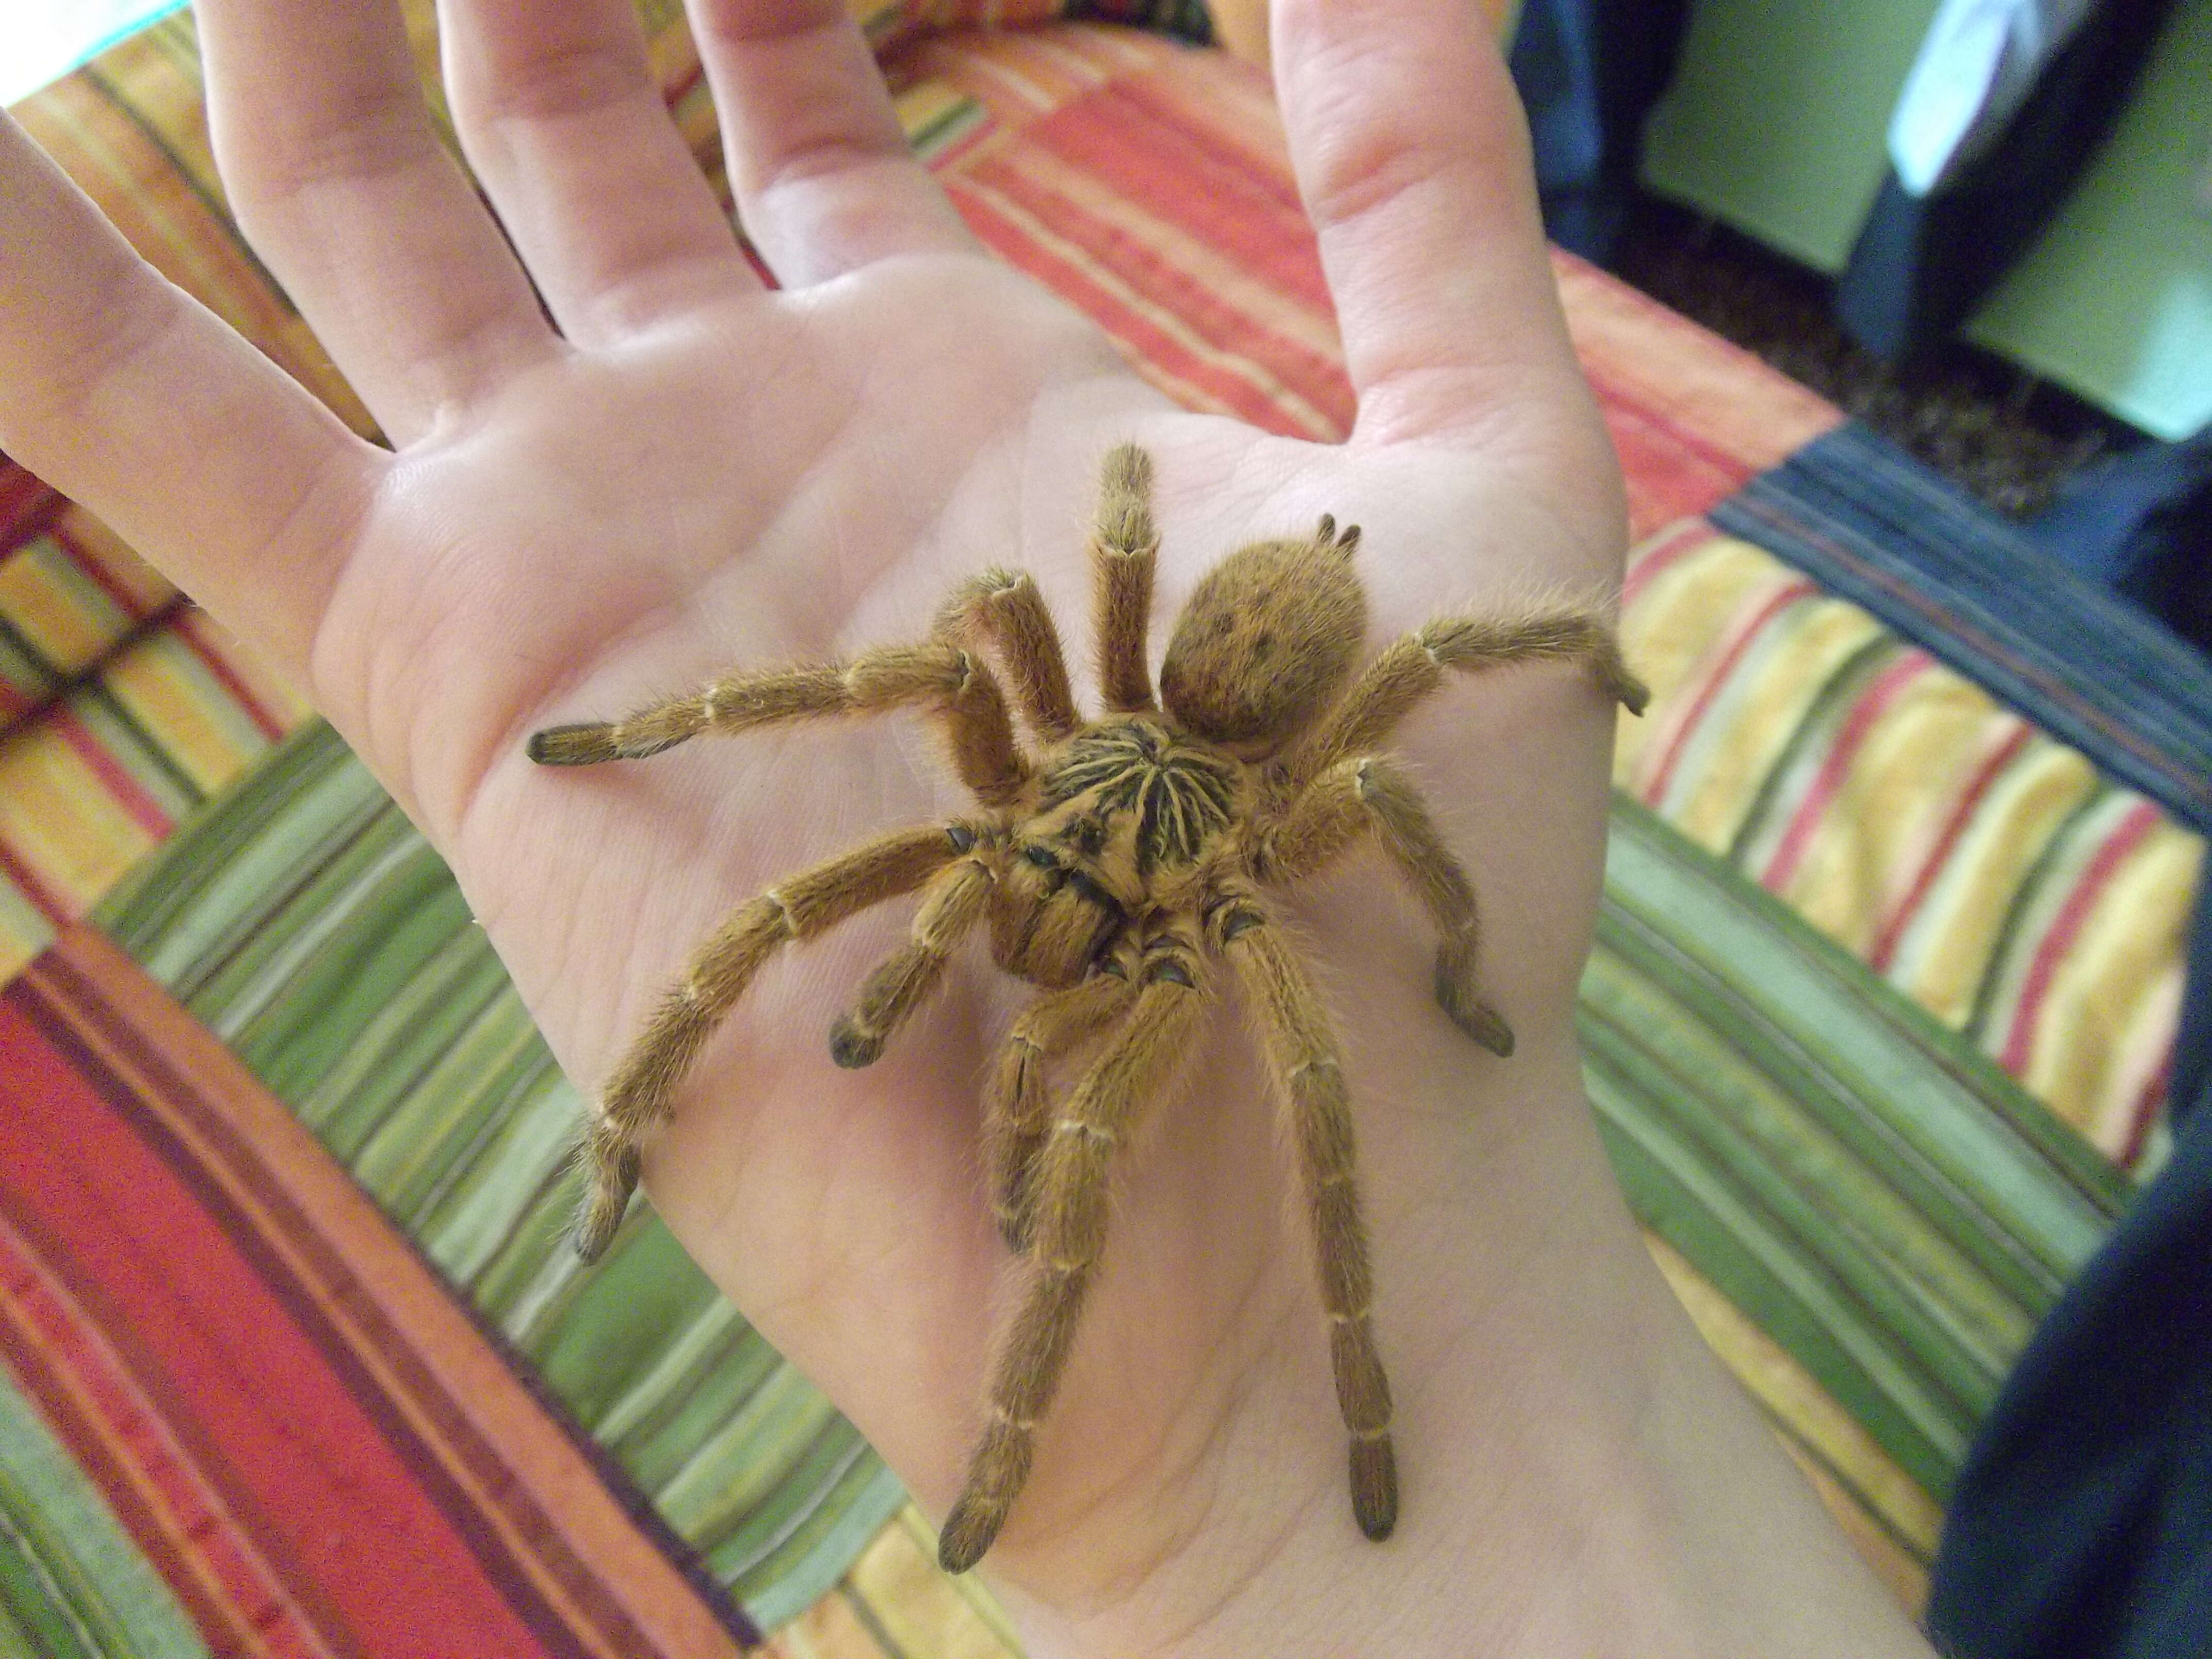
x=306, y=922
x=1867, y=1187
x=71, y=1582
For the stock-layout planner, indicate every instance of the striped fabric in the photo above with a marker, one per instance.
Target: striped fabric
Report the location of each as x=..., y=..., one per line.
x=1809, y=799
x=71, y=593
x=292, y=1419
x=1981, y=867
x=1942, y=570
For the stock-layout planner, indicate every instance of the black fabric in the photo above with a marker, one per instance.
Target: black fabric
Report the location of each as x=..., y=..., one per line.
x=1922, y=264
x=2082, y=1527
x=1588, y=72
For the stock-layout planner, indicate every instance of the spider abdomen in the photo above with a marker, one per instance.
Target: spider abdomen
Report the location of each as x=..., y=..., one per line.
x=1267, y=641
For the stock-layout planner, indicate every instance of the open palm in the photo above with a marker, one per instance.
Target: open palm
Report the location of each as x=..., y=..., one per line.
x=668, y=470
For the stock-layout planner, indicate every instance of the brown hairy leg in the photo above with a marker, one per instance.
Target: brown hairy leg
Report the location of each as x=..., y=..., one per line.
x=954, y=902
x=1368, y=792
x=1005, y=608
x=1122, y=550
x=1071, y=1179
x=936, y=675
x=1414, y=666
x=1301, y=1052
x=636, y=1097
x=1017, y=1100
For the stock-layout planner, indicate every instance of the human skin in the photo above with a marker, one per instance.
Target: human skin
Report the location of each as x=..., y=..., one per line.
x=681, y=472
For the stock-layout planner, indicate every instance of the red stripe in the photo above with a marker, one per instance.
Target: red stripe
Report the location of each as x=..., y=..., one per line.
x=191, y=624
x=2140, y=821
x=1655, y=556
x=1962, y=814
x=125, y=791
x=100, y=576
x=111, y=1429
x=2146, y=1112
x=1900, y=588
x=27, y=882
x=26, y=504
x=291, y=1443
x=1873, y=703
x=1775, y=604
x=1317, y=378
x=1726, y=462
x=1143, y=338
x=1127, y=137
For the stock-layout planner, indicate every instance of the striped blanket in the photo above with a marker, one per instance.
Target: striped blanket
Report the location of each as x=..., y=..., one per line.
x=1875, y=1028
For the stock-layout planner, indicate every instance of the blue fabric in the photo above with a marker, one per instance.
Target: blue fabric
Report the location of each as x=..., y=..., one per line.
x=2141, y=523
x=1870, y=523
x=2082, y=1525
x=1588, y=72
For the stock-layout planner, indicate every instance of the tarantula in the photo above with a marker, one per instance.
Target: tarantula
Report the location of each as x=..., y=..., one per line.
x=1112, y=868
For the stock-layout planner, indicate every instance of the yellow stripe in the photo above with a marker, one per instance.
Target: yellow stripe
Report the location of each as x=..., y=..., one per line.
x=146, y=588
x=1797, y=1400
x=58, y=817
x=61, y=612
x=169, y=692
x=23, y=932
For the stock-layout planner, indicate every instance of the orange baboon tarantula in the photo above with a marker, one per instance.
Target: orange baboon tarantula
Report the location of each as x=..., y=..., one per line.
x=1113, y=868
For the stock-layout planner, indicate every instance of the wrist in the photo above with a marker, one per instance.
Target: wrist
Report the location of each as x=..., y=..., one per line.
x=1579, y=1473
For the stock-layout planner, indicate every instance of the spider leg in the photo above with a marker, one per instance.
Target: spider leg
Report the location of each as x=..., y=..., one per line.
x=1122, y=550
x=1301, y=1052
x=1368, y=792
x=1006, y=608
x=938, y=675
x=1071, y=1179
x=956, y=899
x=636, y=1096
x=1017, y=1103
x=1415, y=665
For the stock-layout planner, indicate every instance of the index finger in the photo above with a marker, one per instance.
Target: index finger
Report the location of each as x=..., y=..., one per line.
x=126, y=394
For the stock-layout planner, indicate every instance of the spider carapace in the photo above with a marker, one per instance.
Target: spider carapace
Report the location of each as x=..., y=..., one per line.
x=1117, y=864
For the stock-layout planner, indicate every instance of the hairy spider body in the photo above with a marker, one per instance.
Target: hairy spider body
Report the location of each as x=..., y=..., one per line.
x=1112, y=870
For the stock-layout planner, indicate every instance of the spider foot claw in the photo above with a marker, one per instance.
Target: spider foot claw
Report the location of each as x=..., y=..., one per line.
x=1629, y=691
x=852, y=1048
x=1470, y=1013
x=612, y=1172
x=1375, y=1486
x=1015, y=1226
x=969, y=1532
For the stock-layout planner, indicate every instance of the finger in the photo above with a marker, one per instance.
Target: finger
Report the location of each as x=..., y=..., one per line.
x=825, y=179
x=337, y=173
x=1412, y=156
x=561, y=117
x=128, y=395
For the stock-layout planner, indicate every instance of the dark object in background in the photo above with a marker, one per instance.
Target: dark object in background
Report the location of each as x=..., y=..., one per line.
x=1923, y=263
x=2141, y=523
x=1588, y=72
x=2082, y=1527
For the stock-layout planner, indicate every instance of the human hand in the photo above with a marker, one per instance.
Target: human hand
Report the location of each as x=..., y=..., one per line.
x=692, y=473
